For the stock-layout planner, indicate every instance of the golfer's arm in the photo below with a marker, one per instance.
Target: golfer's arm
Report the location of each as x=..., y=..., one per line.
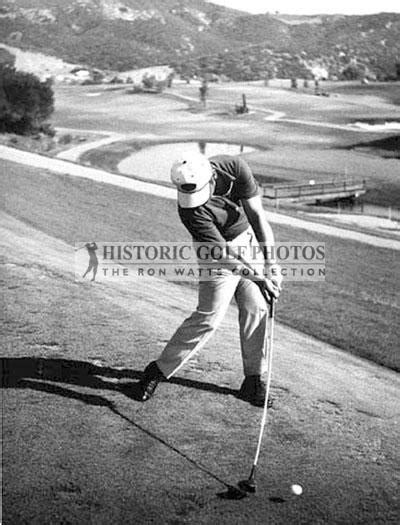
x=241, y=267
x=261, y=227
x=205, y=232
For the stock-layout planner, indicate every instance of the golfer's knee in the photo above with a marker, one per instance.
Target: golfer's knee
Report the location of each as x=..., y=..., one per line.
x=254, y=307
x=206, y=320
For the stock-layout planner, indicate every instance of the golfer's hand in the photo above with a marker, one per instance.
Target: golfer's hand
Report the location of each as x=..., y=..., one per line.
x=269, y=289
x=273, y=273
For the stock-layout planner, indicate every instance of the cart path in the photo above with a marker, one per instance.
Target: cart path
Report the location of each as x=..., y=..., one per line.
x=73, y=154
x=76, y=170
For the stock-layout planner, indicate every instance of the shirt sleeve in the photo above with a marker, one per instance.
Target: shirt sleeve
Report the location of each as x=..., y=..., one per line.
x=201, y=226
x=246, y=184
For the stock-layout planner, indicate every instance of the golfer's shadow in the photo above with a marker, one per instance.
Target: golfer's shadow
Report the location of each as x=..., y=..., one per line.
x=43, y=374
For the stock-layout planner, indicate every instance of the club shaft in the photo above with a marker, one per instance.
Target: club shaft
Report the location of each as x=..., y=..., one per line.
x=269, y=342
x=254, y=271
x=268, y=383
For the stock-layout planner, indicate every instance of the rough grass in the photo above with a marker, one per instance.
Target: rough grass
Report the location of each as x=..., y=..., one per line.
x=356, y=309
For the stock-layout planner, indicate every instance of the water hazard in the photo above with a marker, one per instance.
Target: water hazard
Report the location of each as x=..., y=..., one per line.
x=389, y=125
x=154, y=162
x=363, y=208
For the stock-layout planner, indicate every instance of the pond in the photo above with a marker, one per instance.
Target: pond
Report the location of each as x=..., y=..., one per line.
x=154, y=162
x=389, y=125
x=358, y=206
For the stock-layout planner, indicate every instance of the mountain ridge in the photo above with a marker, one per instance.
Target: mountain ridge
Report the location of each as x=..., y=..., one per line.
x=197, y=36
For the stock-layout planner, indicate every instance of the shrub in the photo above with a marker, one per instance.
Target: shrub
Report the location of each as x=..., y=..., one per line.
x=65, y=139
x=352, y=72
x=150, y=83
x=25, y=102
x=6, y=58
x=47, y=129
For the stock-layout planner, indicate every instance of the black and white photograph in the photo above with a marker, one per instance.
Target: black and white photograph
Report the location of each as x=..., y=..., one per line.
x=200, y=269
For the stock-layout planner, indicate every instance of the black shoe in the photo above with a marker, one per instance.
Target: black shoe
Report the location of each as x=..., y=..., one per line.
x=253, y=390
x=152, y=375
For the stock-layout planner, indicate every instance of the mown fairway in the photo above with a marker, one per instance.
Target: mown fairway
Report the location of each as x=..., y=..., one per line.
x=78, y=447
x=311, y=139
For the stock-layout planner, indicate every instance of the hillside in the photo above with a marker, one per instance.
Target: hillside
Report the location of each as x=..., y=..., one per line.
x=79, y=448
x=196, y=35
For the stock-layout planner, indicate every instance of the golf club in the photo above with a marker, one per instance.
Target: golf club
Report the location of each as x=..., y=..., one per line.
x=249, y=485
x=231, y=492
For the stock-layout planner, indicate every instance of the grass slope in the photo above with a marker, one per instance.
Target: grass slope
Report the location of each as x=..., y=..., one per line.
x=79, y=449
x=357, y=308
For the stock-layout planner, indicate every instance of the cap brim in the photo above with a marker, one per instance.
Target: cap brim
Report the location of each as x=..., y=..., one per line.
x=193, y=200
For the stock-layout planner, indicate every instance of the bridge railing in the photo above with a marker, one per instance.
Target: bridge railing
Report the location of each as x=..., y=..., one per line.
x=295, y=191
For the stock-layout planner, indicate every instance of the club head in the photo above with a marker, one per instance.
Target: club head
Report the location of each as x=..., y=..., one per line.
x=233, y=493
x=248, y=485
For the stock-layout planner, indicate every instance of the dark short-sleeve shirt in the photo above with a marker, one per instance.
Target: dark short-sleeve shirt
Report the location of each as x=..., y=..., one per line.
x=222, y=217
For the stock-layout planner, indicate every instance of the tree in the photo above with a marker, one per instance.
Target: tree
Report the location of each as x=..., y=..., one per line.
x=242, y=108
x=25, y=101
x=6, y=58
x=203, y=92
x=398, y=70
x=352, y=72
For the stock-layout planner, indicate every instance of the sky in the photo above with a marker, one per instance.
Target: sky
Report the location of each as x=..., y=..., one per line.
x=311, y=7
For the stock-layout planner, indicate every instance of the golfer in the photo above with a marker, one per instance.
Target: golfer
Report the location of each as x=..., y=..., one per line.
x=93, y=261
x=219, y=204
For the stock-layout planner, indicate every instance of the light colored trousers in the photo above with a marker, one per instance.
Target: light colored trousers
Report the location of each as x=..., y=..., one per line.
x=215, y=295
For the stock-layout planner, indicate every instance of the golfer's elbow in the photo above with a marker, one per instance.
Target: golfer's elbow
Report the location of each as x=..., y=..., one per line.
x=261, y=228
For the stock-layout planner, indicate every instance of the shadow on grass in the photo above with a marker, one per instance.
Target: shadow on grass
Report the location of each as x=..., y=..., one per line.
x=33, y=372
x=40, y=374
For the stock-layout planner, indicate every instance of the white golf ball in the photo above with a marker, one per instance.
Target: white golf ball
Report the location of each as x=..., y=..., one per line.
x=296, y=489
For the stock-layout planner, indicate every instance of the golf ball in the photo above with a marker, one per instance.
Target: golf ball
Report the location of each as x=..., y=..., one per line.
x=296, y=489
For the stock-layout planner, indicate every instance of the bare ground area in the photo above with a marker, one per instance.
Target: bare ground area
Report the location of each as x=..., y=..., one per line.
x=78, y=447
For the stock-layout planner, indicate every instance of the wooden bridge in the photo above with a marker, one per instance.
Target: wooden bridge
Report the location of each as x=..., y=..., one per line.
x=314, y=191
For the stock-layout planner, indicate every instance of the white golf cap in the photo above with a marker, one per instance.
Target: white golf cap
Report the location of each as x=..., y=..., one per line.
x=191, y=175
